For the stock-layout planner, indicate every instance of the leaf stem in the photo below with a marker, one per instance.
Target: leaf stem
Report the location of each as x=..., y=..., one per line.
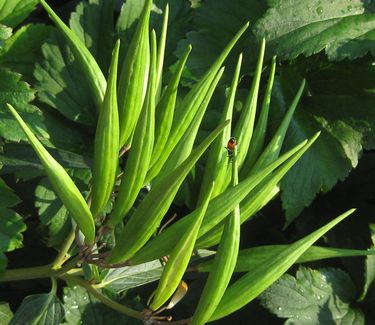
x=104, y=299
x=61, y=256
x=36, y=272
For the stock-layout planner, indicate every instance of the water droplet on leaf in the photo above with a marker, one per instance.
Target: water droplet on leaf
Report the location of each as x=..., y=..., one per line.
x=319, y=10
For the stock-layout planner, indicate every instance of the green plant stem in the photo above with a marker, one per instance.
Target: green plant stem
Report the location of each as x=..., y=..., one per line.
x=104, y=299
x=36, y=272
x=61, y=256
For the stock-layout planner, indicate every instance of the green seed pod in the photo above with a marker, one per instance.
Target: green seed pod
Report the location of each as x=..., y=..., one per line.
x=217, y=210
x=90, y=67
x=106, y=142
x=179, y=258
x=61, y=182
x=224, y=261
x=255, y=282
x=150, y=212
x=140, y=153
x=165, y=109
x=187, y=110
x=134, y=77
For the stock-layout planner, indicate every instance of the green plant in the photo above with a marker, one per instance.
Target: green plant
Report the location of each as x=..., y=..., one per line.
x=159, y=146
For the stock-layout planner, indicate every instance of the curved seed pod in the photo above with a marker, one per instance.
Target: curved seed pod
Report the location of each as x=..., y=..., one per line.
x=251, y=258
x=134, y=77
x=179, y=258
x=61, y=183
x=258, y=138
x=217, y=160
x=90, y=67
x=273, y=148
x=140, y=153
x=217, y=210
x=165, y=109
x=224, y=261
x=189, y=106
x=255, y=282
x=161, y=51
x=106, y=142
x=150, y=212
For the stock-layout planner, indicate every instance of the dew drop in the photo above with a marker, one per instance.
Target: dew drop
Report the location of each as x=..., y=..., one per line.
x=84, y=298
x=319, y=10
x=75, y=288
x=318, y=297
x=67, y=312
x=350, y=8
x=75, y=307
x=279, y=308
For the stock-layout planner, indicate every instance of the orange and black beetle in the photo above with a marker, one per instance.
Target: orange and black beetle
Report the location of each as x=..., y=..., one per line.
x=230, y=146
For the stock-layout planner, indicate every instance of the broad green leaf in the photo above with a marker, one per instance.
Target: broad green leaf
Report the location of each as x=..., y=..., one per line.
x=82, y=307
x=5, y=33
x=87, y=64
x=150, y=212
x=61, y=83
x=346, y=118
x=215, y=24
x=11, y=224
x=11, y=227
x=320, y=296
x=251, y=258
x=343, y=28
x=369, y=266
x=40, y=309
x=61, y=182
x=121, y=279
x=218, y=209
x=13, y=12
x=92, y=22
x=253, y=283
x=20, y=158
x=52, y=213
x=22, y=50
x=5, y=313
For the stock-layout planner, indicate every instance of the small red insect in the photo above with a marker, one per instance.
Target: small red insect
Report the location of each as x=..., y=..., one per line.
x=230, y=146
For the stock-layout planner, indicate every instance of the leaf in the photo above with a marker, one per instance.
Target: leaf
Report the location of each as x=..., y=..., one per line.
x=121, y=279
x=314, y=297
x=11, y=224
x=343, y=28
x=5, y=33
x=61, y=83
x=92, y=22
x=340, y=104
x=82, y=308
x=22, y=50
x=369, y=266
x=216, y=21
x=13, y=12
x=52, y=213
x=5, y=313
x=40, y=309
